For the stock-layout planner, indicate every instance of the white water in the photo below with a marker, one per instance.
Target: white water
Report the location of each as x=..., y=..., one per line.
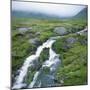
x=39, y=77
x=44, y=80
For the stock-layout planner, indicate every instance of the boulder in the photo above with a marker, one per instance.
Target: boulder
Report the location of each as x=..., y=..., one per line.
x=24, y=29
x=34, y=41
x=60, y=30
x=71, y=40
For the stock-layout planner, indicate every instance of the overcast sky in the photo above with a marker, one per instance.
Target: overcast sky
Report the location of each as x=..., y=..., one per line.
x=62, y=10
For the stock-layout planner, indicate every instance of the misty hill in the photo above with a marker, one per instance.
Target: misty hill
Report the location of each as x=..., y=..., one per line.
x=26, y=14
x=82, y=14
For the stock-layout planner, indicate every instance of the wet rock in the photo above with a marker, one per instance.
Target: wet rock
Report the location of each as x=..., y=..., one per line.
x=35, y=64
x=83, y=32
x=60, y=30
x=46, y=69
x=44, y=55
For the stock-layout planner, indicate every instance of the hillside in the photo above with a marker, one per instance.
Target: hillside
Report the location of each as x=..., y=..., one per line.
x=25, y=14
x=82, y=14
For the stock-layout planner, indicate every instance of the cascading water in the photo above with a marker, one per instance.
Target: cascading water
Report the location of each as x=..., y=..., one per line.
x=40, y=79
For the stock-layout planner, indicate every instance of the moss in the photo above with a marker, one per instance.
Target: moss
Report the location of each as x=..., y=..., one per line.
x=20, y=50
x=46, y=70
x=60, y=45
x=79, y=77
x=29, y=76
x=44, y=55
x=45, y=36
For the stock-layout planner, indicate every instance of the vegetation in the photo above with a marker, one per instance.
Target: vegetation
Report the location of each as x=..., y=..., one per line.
x=73, y=70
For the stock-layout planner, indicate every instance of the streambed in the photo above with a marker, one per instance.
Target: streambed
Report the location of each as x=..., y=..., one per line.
x=45, y=76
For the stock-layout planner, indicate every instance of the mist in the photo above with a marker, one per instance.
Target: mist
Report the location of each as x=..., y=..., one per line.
x=60, y=10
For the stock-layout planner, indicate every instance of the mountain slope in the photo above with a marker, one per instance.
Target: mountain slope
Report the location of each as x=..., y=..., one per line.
x=38, y=15
x=82, y=14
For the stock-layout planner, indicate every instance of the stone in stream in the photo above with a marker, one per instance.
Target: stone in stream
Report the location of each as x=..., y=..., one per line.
x=83, y=32
x=44, y=55
x=35, y=64
x=60, y=30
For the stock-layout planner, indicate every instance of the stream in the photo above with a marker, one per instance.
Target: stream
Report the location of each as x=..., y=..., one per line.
x=40, y=78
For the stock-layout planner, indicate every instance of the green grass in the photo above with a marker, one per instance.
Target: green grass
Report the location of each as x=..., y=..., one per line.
x=74, y=62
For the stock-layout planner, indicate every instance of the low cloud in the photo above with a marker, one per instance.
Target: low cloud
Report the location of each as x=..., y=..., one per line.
x=62, y=10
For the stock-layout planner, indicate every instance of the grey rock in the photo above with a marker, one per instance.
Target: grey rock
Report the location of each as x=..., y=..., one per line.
x=34, y=41
x=56, y=37
x=71, y=40
x=82, y=32
x=35, y=64
x=60, y=30
x=37, y=33
x=24, y=29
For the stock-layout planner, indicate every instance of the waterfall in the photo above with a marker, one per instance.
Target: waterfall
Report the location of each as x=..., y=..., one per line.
x=40, y=79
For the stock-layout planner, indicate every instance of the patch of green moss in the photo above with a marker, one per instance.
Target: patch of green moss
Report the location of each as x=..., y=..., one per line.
x=45, y=36
x=44, y=55
x=29, y=77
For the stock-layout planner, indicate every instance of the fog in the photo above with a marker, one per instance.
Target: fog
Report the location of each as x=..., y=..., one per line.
x=61, y=10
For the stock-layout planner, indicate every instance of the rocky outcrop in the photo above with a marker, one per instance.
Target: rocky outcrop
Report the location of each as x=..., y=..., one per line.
x=22, y=30
x=71, y=40
x=35, y=41
x=60, y=31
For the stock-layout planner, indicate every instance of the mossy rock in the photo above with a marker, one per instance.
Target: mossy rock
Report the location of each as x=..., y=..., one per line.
x=44, y=55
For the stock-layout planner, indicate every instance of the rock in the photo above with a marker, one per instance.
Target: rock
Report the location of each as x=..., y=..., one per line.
x=60, y=30
x=37, y=33
x=56, y=37
x=34, y=41
x=71, y=40
x=61, y=81
x=24, y=29
x=46, y=69
x=44, y=55
x=83, y=39
x=82, y=32
x=35, y=64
